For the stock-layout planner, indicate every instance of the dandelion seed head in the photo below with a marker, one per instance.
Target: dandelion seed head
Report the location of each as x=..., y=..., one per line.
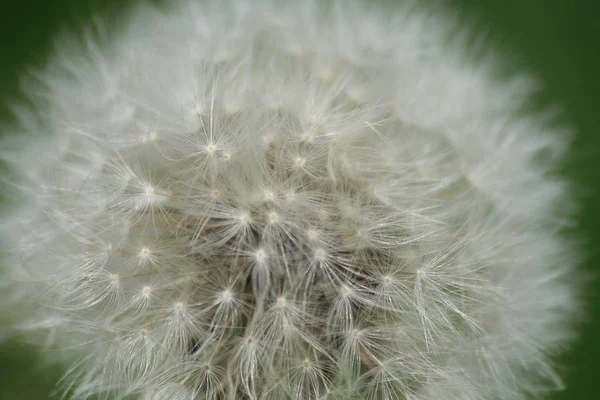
x=289, y=200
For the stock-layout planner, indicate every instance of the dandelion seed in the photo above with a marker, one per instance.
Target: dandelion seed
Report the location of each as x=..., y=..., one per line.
x=226, y=295
x=320, y=253
x=306, y=137
x=268, y=139
x=290, y=197
x=281, y=301
x=260, y=255
x=198, y=110
x=273, y=217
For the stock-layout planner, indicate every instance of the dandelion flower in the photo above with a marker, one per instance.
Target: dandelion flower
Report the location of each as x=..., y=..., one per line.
x=230, y=199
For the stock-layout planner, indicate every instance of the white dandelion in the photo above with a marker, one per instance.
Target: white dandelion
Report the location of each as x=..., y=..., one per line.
x=232, y=199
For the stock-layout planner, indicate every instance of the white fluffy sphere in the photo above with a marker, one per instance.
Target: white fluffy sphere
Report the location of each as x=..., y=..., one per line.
x=301, y=200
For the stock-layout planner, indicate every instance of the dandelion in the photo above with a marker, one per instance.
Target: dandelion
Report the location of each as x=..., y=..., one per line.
x=288, y=200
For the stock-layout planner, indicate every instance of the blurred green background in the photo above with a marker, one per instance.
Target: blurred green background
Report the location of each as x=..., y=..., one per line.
x=554, y=39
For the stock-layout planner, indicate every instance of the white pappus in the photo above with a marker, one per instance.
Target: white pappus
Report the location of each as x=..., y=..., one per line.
x=229, y=199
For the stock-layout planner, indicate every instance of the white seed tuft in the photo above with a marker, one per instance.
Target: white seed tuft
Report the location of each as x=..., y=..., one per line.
x=288, y=200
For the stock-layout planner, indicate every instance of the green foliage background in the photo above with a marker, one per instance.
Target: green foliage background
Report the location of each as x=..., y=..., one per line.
x=554, y=39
